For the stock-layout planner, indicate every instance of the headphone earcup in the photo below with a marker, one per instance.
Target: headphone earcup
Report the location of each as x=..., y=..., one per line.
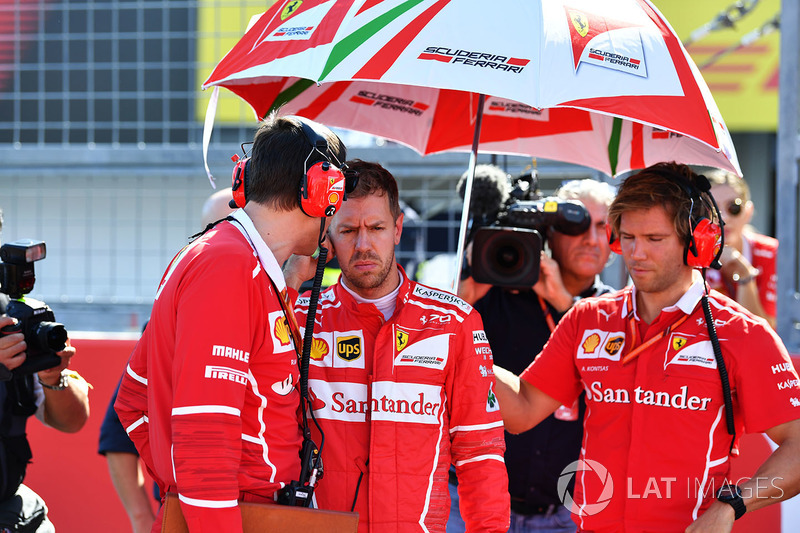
x=322, y=190
x=239, y=181
x=707, y=239
x=613, y=241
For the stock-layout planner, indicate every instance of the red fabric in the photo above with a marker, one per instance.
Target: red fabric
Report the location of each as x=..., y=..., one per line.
x=763, y=255
x=220, y=369
x=409, y=395
x=657, y=423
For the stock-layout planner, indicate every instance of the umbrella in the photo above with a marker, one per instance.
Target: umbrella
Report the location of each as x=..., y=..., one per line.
x=607, y=85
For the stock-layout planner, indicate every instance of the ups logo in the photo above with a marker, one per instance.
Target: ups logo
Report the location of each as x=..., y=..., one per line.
x=613, y=345
x=348, y=348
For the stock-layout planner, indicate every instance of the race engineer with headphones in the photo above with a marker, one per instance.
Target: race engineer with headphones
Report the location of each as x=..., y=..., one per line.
x=209, y=395
x=673, y=374
x=403, y=384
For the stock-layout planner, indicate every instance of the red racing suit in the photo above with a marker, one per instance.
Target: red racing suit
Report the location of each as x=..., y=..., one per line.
x=398, y=401
x=655, y=447
x=208, y=397
x=762, y=252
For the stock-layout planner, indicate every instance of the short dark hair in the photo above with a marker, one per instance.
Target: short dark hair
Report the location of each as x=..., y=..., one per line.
x=374, y=179
x=278, y=160
x=670, y=185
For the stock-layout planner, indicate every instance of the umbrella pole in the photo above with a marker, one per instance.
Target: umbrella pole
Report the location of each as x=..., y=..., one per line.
x=473, y=161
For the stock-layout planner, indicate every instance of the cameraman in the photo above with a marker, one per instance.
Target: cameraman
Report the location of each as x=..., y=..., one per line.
x=517, y=324
x=56, y=396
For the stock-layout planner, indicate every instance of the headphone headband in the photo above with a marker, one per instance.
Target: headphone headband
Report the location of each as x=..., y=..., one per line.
x=705, y=240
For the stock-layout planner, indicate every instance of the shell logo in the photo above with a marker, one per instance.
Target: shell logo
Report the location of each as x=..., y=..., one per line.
x=319, y=349
x=282, y=331
x=333, y=198
x=591, y=343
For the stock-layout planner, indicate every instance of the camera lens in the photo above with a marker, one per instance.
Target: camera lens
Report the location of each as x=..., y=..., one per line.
x=507, y=257
x=51, y=336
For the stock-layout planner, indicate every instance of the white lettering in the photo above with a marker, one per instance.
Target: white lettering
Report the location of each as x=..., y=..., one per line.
x=680, y=400
x=231, y=353
x=227, y=374
x=783, y=367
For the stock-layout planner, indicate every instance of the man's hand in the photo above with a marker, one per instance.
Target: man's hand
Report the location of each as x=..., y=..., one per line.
x=12, y=345
x=52, y=376
x=66, y=410
x=550, y=285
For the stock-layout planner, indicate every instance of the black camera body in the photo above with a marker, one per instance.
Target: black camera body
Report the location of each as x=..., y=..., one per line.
x=507, y=252
x=35, y=320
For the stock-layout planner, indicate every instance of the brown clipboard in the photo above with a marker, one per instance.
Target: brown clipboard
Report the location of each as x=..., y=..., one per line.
x=258, y=517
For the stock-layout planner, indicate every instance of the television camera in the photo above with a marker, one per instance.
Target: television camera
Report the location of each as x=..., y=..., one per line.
x=507, y=246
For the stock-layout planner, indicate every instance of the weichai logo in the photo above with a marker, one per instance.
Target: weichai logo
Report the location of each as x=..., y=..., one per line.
x=387, y=101
x=473, y=58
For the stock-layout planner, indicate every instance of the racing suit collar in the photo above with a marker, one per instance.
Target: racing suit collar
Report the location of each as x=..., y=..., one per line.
x=266, y=258
x=346, y=295
x=685, y=303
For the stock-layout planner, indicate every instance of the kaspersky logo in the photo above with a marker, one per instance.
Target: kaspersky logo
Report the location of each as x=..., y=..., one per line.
x=472, y=58
x=586, y=467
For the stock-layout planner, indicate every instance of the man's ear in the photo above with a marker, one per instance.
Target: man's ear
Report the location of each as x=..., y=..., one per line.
x=398, y=229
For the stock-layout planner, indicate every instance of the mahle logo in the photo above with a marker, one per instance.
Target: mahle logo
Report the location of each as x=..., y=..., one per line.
x=585, y=467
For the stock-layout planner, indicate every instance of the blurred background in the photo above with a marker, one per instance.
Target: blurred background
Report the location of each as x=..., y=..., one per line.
x=101, y=121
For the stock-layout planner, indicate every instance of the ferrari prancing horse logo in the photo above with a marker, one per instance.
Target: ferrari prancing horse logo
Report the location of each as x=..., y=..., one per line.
x=290, y=9
x=401, y=340
x=678, y=343
x=580, y=21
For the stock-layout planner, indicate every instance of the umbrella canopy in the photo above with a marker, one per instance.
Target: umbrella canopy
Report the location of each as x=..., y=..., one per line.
x=605, y=85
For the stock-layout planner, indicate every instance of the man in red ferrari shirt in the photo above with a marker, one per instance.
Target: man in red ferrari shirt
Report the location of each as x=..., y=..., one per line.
x=656, y=448
x=402, y=375
x=209, y=395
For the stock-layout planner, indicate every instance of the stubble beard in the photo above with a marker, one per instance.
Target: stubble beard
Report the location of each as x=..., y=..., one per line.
x=369, y=280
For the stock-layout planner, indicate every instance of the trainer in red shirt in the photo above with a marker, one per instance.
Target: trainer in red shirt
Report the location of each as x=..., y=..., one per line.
x=657, y=443
x=209, y=395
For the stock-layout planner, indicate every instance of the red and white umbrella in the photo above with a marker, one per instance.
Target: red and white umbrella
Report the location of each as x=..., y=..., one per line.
x=602, y=84
x=606, y=85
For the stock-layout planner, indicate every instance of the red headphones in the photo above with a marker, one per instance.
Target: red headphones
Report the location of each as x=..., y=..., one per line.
x=704, y=244
x=323, y=186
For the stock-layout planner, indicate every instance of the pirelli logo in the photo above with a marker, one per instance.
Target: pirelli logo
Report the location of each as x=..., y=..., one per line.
x=226, y=374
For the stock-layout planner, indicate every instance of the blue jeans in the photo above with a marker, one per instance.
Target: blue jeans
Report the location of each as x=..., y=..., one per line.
x=558, y=521
x=455, y=524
